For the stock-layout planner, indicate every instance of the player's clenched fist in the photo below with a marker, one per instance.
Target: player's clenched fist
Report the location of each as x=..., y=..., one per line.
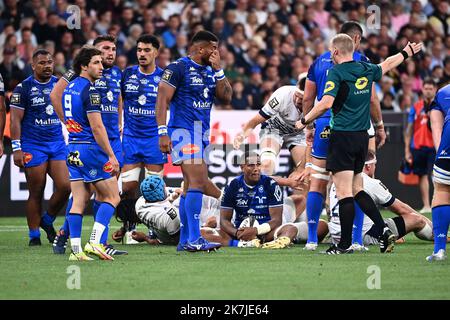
x=165, y=144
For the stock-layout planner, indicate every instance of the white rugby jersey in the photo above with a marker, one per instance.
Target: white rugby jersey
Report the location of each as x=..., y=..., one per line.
x=374, y=188
x=280, y=110
x=210, y=207
x=161, y=217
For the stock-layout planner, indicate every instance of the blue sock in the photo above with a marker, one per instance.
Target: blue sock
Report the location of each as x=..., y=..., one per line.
x=47, y=219
x=314, y=203
x=184, y=226
x=358, y=225
x=193, y=206
x=95, y=205
x=65, y=226
x=233, y=243
x=75, y=222
x=441, y=221
x=34, y=233
x=103, y=216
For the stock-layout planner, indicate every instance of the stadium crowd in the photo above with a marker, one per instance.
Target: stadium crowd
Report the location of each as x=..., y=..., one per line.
x=263, y=44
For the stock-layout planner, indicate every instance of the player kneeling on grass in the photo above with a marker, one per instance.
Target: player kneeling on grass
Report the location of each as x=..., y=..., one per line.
x=407, y=220
x=159, y=211
x=254, y=198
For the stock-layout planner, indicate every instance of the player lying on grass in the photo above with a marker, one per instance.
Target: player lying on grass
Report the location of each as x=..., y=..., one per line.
x=158, y=209
x=407, y=220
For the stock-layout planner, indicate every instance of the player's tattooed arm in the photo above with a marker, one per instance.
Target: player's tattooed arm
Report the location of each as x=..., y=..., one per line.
x=16, y=131
x=224, y=92
x=56, y=96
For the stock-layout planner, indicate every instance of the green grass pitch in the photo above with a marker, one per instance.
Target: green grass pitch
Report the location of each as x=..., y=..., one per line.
x=159, y=272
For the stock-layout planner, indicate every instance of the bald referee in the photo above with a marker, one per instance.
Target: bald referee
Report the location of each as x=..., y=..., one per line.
x=347, y=92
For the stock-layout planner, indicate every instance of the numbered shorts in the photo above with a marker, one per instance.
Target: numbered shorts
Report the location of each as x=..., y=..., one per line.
x=142, y=150
x=321, y=138
x=289, y=140
x=347, y=150
x=188, y=145
x=441, y=171
x=87, y=162
x=116, y=145
x=37, y=153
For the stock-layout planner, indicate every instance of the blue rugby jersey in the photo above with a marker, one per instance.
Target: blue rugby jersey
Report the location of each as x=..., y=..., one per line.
x=444, y=147
x=194, y=95
x=40, y=122
x=80, y=98
x=318, y=72
x=441, y=101
x=255, y=200
x=109, y=87
x=139, y=92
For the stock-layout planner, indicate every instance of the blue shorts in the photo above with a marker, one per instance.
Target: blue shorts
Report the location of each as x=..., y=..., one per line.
x=187, y=145
x=321, y=138
x=87, y=162
x=37, y=153
x=116, y=145
x=145, y=150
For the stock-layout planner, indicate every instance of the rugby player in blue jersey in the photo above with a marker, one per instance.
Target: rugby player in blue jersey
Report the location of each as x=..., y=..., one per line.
x=318, y=135
x=91, y=159
x=189, y=86
x=437, y=114
x=38, y=145
x=109, y=87
x=140, y=133
x=441, y=178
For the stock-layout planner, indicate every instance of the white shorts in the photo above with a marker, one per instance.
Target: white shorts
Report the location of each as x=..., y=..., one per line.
x=289, y=140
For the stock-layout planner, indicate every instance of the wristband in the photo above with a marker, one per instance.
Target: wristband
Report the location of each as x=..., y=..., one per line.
x=220, y=74
x=303, y=121
x=16, y=145
x=405, y=54
x=308, y=165
x=379, y=124
x=263, y=228
x=162, y=130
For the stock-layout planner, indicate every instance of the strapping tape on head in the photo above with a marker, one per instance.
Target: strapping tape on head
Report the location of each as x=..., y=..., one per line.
x=373, y=161
x=155, y=173
x=131, y=175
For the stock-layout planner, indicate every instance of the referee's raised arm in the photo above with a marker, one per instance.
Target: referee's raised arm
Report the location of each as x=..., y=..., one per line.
x=395, y=60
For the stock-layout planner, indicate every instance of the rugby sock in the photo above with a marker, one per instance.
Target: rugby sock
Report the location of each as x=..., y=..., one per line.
x=314, y=203
x=233, y=243
x=104, y=215
x=75, y=222
x=193, y=206
x=47, y=219
x=95, y=205
x=34, y=233
x=184, y=226
x=367, y=205
x=441, y=221
x=65, y=226
x=358, y=225
x=346, y=217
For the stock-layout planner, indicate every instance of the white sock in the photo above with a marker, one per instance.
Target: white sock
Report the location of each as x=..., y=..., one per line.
x=75, y=243
x=97, y=232
x=426, y=233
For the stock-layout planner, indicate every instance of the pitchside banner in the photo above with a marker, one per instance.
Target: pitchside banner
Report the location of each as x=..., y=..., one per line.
x=223, y=165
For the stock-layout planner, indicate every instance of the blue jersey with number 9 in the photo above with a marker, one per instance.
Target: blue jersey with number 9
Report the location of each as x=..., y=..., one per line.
x=80, y=98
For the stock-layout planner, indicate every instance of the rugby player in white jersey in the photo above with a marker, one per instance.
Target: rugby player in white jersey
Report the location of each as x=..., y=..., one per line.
x=277, y=118
x=407, y=220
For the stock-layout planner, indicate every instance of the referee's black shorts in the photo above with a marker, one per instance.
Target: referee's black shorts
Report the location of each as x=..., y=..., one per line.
x=347, y=150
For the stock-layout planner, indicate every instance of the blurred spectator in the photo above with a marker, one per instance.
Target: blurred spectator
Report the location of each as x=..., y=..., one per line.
x=253, y=89
x=388, y=103
x=60, y=64
x=180, y=48
x=11, y=69
x=26, y=47
x=169, y=36
x=412, y=73
x=321, y=16
x=445, y=78
x=121, y=62
x=240, y=100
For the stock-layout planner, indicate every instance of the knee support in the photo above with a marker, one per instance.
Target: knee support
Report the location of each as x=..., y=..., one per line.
x=131, y=175
x=155, y=173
